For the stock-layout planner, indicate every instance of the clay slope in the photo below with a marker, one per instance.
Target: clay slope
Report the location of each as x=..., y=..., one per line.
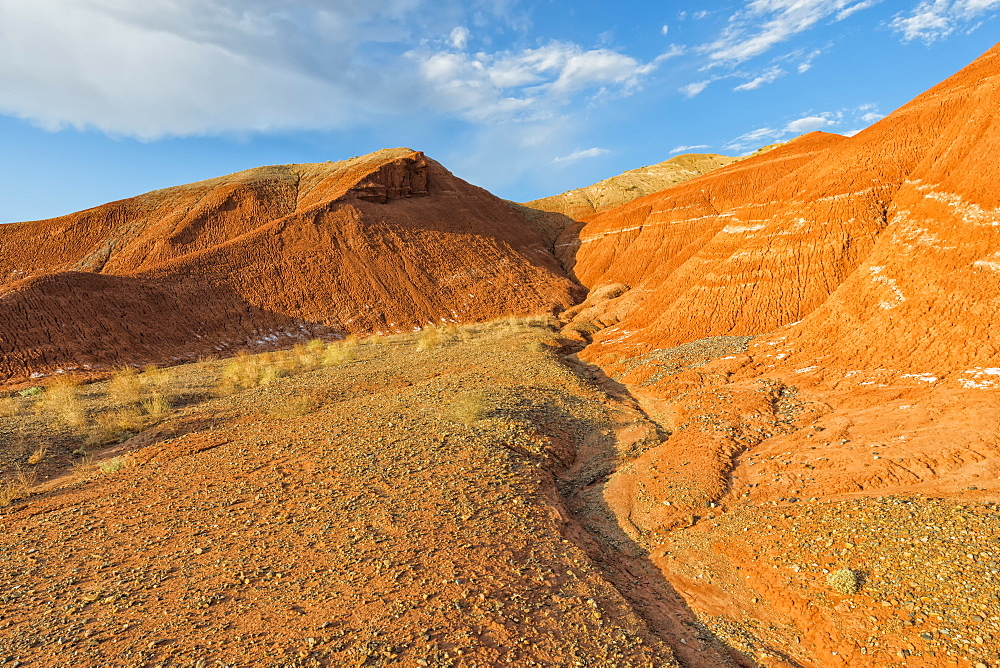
x=892, y=230
x=813, y=326
x=384, y=242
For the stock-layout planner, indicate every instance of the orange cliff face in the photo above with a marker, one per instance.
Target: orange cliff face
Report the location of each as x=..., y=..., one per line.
x=386, y=242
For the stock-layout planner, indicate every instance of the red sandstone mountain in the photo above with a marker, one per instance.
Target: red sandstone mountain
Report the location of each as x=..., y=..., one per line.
x=387, y=241
x=893, y=230
x=866, y=271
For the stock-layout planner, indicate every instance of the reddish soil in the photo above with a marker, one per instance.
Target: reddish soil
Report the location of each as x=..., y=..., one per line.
x=374, y=528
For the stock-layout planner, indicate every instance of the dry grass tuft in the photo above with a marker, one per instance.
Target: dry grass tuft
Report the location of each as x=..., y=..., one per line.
x=316, y=347
x=113, y=465
x=9, y=407
x=242, y=372
x=303, y=359
x=62, y=400
x=158, y=383
x=295, y=407
x=469, y=407
x=16, y=487
x=340, y=352
x=156, y=407
x=38, y=455
x=845, y=581
x=247, y=371
x=430, y=337
x=117, y=426
x=124, y=388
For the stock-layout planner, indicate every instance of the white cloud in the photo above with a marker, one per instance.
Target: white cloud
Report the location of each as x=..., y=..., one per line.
x=665, y=29
x=932, y=20
x=807, y=124
x=762, y=24
x=482, y=86
x=805, y=64
x=692, y=89
x=769, y=75
x=844, y=13
x=685, y=149
x=864, y=113
x=582, y=154
x=768, y=135
x=190, y=67
x=183, y=67
x=459, y=38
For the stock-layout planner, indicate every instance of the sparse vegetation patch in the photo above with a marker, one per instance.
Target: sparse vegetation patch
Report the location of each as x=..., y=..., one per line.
x=844, y=581
x=470, y=407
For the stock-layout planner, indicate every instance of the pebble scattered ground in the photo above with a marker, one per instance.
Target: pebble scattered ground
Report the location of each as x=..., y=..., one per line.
x=377, y=528
x=450, y=505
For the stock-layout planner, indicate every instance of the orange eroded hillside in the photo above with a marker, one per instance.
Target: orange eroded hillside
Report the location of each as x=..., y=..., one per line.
x=385, y=242
x=815, y=327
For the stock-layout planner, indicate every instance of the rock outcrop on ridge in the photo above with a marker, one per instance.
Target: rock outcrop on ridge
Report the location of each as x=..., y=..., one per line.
x=635, y=183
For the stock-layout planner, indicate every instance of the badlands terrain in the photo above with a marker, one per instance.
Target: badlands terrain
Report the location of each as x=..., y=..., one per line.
x=712, y=412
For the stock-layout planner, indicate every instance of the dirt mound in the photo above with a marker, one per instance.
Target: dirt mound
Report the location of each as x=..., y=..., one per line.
x=386, y=242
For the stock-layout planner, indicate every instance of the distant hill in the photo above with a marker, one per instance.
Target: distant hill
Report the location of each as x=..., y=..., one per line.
x=630, y=185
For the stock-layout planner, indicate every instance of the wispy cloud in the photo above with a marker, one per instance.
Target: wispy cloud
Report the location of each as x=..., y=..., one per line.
x=459, y=37
x=803, y=61
x=768, y=135
x=855, y=118
x=763, y=24
x=482, y=86
x=808, y=124
x=695, y=88
x=932, y=20
x=687, y=149
x=582, y=154
x=861, y=117
x=754, y=139
x=769, y=75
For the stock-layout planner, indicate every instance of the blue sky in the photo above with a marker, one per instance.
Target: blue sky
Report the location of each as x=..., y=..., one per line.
x=105, y=99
